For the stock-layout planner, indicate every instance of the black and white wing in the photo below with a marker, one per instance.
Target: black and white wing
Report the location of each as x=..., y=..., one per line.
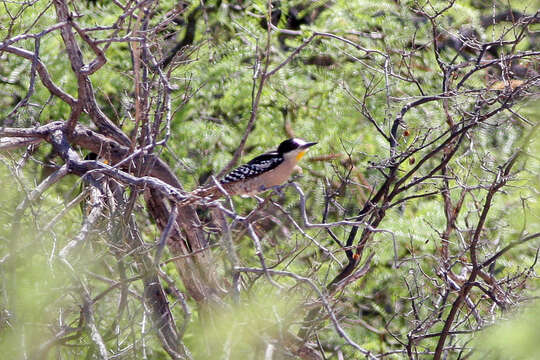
x=256, y=166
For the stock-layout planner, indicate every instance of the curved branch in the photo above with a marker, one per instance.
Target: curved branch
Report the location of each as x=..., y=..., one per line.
x=43, y=74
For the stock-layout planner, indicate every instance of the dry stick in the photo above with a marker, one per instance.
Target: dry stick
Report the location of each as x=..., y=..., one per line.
x=31, y=87
x=299, y=228
x=357, y=274
x=231, y=254
x=487, y=63
x=91, y=324
x=60, y=337
x=386, y=186
x=86, y=91
x=499, y=181
x=364, y=111
x=43, y=73
x=165, y=234
x=77, y=64
x=18, y=38
x=254, y=109
x=97, y=208
x=451, y=214
x=100, y=60
x=383, y=190
x=509, y=247
x=263, y=77
x=308, y=224
x=290, y=57
x=114, y=285
x=391, y=177
x=61, y=145
x=180, y=297
x=17, y=142
x=154, y=296
x=170, y=192
x=41, y=188
x=136, y=56
x=66, y=209
x=237, y=218
x=163, y=106
x=42, y=131
x=260, y=255
x=191, y=254
x=323, y=300
x=332, y=36
x=146, y=136
x=88, y=139
x=120, y=39
x=267, y=74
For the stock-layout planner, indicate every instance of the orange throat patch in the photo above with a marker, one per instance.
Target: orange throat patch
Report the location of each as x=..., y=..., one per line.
x=300, y=155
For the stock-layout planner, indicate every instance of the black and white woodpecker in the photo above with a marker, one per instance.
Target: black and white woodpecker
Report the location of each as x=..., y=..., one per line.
x=262, y=173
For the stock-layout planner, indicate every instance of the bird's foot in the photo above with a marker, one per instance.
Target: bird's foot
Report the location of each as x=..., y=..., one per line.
x=278, y=189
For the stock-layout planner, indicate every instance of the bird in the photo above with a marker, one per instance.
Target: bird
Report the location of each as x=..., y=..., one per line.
x=262, y=173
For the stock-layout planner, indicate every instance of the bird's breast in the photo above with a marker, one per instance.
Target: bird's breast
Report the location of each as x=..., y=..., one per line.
x=262, y=182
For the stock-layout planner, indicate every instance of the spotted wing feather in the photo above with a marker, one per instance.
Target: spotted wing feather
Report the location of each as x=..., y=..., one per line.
x=256, y=166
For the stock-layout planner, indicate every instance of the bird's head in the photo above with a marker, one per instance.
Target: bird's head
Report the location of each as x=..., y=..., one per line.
x=294, y=148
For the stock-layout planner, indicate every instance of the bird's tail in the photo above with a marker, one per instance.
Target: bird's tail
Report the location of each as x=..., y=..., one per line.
x=202, y=194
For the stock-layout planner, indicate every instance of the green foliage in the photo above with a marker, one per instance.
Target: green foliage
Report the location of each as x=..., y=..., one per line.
x=514, y=338
x=243, y=328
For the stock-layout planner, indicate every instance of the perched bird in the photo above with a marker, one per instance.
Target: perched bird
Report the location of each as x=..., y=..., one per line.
x=262, y=173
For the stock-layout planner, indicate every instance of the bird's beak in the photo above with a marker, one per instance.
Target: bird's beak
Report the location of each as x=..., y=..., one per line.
x=307, y=145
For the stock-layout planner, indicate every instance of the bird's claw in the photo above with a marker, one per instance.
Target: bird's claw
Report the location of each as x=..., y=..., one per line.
x=277, y=189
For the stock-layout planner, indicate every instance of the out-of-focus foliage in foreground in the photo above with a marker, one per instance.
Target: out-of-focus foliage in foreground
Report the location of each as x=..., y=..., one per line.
x=511, y=339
